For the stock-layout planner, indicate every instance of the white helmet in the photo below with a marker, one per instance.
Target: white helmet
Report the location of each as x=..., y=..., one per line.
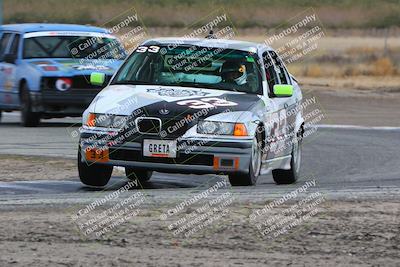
x=234, y=72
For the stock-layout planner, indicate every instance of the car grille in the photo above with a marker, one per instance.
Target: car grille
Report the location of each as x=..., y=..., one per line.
x=174, y=128
x=78, y=82
x=148, y=125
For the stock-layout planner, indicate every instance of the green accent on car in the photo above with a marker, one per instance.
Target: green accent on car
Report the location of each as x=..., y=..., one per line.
x=97, y=78
x=250, y=59
x=283, y=90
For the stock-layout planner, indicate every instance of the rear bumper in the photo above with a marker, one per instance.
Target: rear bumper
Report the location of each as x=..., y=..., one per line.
x=222, y=157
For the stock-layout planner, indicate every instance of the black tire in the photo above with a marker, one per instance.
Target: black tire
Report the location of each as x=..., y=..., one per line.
x=1, y=114
x=251, y=177
x=93, y=174
x=28, y=118
x=141, y=175
x=290, y=176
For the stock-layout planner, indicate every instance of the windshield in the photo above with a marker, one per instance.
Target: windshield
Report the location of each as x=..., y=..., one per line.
x=72, y=47
x=192, y=66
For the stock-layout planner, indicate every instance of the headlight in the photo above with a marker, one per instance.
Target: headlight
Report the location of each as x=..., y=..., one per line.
x=119, y=121
x=106, y=120
x=221, y=128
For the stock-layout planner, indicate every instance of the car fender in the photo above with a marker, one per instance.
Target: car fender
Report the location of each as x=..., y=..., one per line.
x=31, y=75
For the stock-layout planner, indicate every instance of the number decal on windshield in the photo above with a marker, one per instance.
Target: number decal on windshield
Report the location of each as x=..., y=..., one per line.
x=151, y=49
x=207, y=103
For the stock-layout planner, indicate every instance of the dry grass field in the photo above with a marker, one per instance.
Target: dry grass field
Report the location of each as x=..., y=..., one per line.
x=181, y=13
x=361, y=41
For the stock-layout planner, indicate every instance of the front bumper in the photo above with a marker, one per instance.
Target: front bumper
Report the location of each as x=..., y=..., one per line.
x=213, y=157
x=71, y=102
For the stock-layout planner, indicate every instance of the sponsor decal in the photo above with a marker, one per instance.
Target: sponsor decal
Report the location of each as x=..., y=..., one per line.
x=8, y=70
x=7, y=99
x=207, y=103
x=68, y=33
x=90, y=67
x=73, y=65
x=41, y=63
x=176, y=92
x=63, y=84
x=8, y=85
x=164, y=111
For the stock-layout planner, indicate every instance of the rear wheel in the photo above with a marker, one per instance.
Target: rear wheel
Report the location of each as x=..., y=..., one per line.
x=290, y=176
x=0, y=114
x=28, y=117
x=255, y=166
x=141, y=175
x=93, y=174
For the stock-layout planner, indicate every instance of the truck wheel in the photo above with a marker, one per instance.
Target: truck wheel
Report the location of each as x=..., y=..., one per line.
x=255, y=166
x=28, y=118
x=290, y=176
x=93, y=174
x=141, y=175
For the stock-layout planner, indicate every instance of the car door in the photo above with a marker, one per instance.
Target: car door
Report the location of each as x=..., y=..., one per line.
x=277, y=122
x=9, y=45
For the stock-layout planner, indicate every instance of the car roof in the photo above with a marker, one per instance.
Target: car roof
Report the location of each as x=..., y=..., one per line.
x=38, y=27
x=217, y=43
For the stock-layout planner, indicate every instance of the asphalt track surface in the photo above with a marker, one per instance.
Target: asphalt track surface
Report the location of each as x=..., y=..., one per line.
x=345, y=161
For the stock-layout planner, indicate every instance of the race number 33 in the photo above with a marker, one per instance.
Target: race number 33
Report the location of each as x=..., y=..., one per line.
x=207, y=103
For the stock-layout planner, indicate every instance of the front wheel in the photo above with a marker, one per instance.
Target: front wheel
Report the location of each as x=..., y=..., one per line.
x=93, y=174
x=251, y=177
x=28, y=117
x=290, y=176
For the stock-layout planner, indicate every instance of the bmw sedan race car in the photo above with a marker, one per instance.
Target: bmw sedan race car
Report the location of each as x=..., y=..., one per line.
x=200, y=106
x=45, y=68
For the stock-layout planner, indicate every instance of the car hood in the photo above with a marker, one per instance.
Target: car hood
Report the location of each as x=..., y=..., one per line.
x=73, y=67
x=173, y=102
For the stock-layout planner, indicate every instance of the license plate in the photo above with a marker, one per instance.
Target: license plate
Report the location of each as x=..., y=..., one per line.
x=97, y=154
x=159, y=148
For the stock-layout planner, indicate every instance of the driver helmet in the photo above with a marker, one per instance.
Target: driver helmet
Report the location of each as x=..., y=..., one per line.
x=233, y=71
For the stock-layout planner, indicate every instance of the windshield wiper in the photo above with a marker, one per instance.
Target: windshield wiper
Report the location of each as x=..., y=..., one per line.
x=191, y=84
x=134, y=83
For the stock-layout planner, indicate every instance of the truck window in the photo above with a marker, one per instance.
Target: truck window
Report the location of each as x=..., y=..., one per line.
x=5, y=39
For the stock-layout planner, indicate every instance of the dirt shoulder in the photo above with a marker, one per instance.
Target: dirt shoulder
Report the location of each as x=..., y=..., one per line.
x=342, y=233
x=358, y=101
x=32, y=168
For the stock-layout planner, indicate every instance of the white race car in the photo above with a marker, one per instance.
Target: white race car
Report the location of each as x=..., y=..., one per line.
x=197, y=106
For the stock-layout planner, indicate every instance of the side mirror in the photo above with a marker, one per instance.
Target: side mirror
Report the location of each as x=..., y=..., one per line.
x=9, y=58
x=97, y=78
x=283, y=90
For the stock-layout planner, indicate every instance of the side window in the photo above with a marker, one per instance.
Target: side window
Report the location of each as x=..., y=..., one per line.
x=5, y=39
x=15, y=45
x=280, y=68
x=270, y=73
